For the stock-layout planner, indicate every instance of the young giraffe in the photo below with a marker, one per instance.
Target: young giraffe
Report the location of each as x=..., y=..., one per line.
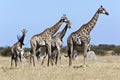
x=56, y=43
x=17, y=49
x=44, y=39
x=82, y=36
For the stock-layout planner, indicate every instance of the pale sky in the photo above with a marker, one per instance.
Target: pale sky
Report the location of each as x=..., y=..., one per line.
x=37, y=15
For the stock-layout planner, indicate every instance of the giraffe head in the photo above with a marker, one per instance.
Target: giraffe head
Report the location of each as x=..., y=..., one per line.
x=102, y=10
x=64, y=18
x=24, y=31
x=68, y=23
x=21, y=39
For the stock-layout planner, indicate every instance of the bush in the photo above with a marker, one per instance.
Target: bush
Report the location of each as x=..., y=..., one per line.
x=78, y=48
x=117, y=50
x=5, y=51
x=100, y=52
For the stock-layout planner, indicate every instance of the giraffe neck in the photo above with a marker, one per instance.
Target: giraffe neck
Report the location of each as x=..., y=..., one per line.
x=22, y=39
x=90, y=25
x=55, y=28
x=62, y=33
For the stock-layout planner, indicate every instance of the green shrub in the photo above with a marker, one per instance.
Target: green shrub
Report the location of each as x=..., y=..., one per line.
x=5, y=51
x=100, y=52
x=117, y=50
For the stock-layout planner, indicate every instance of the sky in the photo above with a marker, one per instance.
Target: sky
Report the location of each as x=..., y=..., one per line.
x=37, y=15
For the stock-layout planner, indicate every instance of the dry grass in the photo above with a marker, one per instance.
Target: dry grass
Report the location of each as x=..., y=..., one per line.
x=104, y=68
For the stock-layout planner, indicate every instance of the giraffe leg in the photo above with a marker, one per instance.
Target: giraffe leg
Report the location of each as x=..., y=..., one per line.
x=70, y=50
x=51, y=60
x=58, y=55
x=20, y=57
x=31, y=52
x=33, y=60
x=30, y=58
x=33, y=56
x=16, y=60
x=85, y=54
x=44, y=57
x=49, y=54
x=48, y=60
x=12, y=57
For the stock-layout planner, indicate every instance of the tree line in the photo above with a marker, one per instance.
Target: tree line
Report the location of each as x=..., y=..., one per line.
x=101, y=49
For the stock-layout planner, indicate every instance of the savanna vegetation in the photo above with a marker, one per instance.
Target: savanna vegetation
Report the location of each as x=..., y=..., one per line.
x=105, y=67
x=102, y=49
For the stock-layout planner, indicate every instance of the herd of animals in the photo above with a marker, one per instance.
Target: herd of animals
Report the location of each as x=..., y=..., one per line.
x=52, y=42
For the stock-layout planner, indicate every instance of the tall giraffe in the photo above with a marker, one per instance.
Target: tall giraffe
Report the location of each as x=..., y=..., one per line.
x=81, y=37
x=56, y=43
x=17, y=49
x=44, y=39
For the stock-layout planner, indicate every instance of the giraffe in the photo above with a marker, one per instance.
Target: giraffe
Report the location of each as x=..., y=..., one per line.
x=81, y=37
x=56, y=43
x=17, y=49
x=44, y=39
